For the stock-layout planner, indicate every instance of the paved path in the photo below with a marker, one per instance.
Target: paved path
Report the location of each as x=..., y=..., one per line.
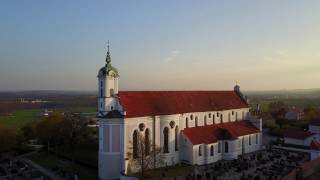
x=45, y=171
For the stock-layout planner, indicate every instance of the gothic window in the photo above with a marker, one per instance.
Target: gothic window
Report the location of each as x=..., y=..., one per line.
x=211, y=150
x=147, y=142
x=176, y=142
x=205, y=120
x=187, y=122
x=219, y=147
x=196, y=121
x=166, y=140
x=200, y=150
x=249, y=139
x=226, y=148
x=135, y=145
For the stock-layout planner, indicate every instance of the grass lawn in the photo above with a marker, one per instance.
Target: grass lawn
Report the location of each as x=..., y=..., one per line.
x=20, y=118
x=50, y=161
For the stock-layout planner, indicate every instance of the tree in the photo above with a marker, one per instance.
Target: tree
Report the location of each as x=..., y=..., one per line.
x=48, y=130
x=143, y=155
x=278, y=109
x=7, y=139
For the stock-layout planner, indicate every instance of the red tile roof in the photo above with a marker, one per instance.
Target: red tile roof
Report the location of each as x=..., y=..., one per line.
x=212, y=133
x=151, y=103
x=295, y=133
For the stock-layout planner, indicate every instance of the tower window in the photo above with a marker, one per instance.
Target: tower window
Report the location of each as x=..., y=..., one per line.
x=101, y=92
x=111, y=92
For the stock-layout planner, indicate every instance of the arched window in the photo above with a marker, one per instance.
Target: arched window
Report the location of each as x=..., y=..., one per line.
x=187, y=122
x=111, y=92
x=257, y=138
x=191, y=117
x=205, y=120
x=213, y=119
x=211, y=150
x=200, y=150
x=226, y=148
x=135, y=145
x=166, y=140
x=249, y=139
x=219, y=147
x=221, y=118
x=209, y=115
x=176, y=142
x=196, y=121
x=147, y=141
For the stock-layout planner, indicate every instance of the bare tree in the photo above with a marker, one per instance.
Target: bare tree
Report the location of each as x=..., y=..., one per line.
x=143, y=155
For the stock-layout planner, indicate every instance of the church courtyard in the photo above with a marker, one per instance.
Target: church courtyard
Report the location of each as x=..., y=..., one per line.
x=265, y=164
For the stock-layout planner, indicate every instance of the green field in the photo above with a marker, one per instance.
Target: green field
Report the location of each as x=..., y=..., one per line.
x=20, y=118
x=299, y=103
x=51, y=161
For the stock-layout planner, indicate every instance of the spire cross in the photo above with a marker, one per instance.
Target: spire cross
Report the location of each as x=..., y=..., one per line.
x=108, y=46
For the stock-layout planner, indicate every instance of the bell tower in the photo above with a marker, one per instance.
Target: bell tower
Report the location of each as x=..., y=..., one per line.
x=108, y=77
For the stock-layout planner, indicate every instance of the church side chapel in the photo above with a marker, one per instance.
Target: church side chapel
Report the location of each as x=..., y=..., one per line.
x=194, y=127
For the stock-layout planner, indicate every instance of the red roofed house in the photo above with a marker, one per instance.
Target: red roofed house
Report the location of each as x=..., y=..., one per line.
x=298, y=137
x=197, y=127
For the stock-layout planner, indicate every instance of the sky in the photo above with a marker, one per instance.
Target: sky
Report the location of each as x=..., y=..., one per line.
x=160, y=45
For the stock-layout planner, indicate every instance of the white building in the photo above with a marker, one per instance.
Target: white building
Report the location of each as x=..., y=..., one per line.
x=294, y=114
x=196, y=127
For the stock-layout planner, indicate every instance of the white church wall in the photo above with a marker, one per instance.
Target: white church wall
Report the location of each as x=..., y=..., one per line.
x=111, y=148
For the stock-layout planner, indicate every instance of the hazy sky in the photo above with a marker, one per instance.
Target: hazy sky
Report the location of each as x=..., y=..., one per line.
x=164, y=44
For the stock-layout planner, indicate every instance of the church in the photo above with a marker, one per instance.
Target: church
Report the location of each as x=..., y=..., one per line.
x=194, y=127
